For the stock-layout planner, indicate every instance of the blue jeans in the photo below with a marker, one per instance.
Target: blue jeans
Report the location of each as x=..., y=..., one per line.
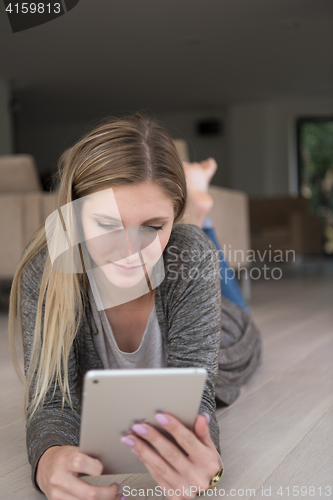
x=229, y=285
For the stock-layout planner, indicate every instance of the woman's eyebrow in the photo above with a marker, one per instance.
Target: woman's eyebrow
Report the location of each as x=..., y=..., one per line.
x=153, y=219
x=157, y=219
x=114, y=219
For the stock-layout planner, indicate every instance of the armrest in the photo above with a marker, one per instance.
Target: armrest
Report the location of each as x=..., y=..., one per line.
x=21, y=214
x=230, y=216
x=11, y=231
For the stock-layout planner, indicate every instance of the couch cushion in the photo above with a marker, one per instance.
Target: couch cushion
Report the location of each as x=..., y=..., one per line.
x=11, y=224
x=19, y=174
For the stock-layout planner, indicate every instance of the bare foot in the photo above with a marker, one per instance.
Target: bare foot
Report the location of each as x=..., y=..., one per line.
x=198, y=177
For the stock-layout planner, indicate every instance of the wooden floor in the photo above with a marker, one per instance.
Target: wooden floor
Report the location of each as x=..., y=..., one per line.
x=276, y=438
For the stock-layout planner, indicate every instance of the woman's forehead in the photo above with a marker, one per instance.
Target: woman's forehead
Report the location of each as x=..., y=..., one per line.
x=144, y=199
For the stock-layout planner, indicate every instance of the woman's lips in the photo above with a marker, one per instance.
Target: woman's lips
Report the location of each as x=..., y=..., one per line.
x=126, y=269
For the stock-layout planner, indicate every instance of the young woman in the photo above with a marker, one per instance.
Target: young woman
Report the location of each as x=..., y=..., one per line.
x=130, y=180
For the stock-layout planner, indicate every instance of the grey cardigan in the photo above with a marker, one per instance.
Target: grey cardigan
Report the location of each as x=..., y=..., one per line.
x=189, y=309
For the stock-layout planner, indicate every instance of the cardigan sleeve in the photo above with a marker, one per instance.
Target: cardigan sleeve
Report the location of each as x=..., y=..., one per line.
x=51, y=424
x=191, y=298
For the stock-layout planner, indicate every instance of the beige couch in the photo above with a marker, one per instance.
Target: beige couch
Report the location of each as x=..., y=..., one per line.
x=24, y=208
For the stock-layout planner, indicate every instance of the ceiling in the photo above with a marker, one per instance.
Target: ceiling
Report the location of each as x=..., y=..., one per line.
x=168, y=55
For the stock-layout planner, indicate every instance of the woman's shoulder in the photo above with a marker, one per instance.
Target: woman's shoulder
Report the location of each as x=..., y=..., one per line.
x=190, y=240
x=34, y=268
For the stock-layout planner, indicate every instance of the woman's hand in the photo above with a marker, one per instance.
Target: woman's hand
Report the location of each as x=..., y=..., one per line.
x=180, y=474
x=57, y=475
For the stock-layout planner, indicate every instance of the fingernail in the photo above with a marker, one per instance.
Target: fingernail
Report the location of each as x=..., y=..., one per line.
x=119, y=487
x=135, y=452
x=207, y=417
x=128, y=441
x=123, y=498
x=161, y=419
x=140, y=429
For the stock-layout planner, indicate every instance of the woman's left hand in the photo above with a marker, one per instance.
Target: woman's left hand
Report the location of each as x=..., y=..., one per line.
x=184, y=476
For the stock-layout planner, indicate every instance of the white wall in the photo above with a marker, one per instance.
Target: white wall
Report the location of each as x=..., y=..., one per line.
x=261, y=143
x=6, y=139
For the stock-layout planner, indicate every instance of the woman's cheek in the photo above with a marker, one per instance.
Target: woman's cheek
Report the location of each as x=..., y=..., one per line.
x=96, y=251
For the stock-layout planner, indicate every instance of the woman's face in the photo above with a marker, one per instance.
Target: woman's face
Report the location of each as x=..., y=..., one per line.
x=126, y=229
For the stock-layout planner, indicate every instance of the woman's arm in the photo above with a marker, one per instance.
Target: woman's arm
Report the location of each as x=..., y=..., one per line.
x=53, y=431
x=50, y=425
x=192, y=291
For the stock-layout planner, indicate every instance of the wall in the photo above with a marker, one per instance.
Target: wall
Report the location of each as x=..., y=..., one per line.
x=182, y=125
x=261, y=143
x=46, y=142
x=256, y=152
x=6, y=139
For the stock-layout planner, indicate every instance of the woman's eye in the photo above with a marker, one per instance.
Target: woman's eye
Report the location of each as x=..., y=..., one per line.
x=106, y=226
x=157, y=228
x=113, y=226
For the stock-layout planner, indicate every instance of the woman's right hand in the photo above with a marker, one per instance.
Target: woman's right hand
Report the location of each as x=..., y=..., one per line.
x=57, y=476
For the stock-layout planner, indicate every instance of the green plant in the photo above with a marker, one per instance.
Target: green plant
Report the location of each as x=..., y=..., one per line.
x=316, y=141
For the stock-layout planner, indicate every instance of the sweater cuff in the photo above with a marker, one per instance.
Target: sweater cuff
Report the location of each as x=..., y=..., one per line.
x=41, y=435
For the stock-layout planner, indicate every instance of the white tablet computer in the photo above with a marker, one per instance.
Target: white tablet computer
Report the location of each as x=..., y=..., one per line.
x=114, y=400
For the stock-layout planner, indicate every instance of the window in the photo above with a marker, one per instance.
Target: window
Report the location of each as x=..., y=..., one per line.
x=315, y=163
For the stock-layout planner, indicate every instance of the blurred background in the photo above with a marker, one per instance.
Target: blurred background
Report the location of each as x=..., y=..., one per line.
x=249, y=83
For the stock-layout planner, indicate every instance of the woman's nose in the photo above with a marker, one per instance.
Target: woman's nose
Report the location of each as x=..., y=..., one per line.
x=128, y=242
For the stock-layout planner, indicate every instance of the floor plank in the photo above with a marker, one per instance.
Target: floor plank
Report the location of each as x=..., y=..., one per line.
x=310, y=464
x=266, y=427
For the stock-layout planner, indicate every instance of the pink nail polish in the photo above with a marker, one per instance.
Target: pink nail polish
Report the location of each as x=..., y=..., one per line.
x=161, y=419
x=207, y=417
x=135, y=452
x=128, y=441
x=140, y=429
x=123, y=498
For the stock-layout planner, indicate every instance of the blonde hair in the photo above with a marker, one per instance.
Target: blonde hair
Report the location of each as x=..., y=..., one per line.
x=119, y=151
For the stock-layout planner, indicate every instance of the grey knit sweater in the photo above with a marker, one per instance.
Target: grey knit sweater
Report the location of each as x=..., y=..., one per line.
x=189, y=309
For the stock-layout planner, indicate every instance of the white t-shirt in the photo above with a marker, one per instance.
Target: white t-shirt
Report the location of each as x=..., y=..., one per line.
x=150, y=354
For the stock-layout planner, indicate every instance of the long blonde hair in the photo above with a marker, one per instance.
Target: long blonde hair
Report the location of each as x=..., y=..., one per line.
x=119, y=151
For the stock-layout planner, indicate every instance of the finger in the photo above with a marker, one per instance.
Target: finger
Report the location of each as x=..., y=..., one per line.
x=82, y=463
x=82, y=490
x=184, y=436
x=155, y=463
x=190, y=477
x=169, y=451
x=201, y=429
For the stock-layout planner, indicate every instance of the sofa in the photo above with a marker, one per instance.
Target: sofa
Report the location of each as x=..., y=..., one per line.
x=284, y=223
x=25, y=207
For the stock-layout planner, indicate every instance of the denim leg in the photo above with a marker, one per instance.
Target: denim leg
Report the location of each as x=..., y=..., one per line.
x=229, y=285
